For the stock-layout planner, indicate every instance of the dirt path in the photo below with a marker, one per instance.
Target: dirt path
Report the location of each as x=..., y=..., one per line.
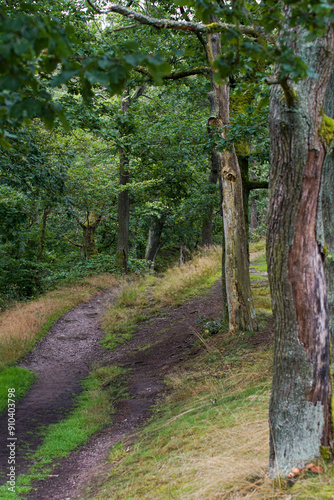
x=170, y=338
x=60, y=360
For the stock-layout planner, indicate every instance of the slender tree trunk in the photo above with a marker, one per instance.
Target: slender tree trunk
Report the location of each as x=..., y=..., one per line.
x=239, y=296
x=46, y=212
x=214, y=168
x=300, y=420
x=254, y=213
x=122, y=247
x=154, y=239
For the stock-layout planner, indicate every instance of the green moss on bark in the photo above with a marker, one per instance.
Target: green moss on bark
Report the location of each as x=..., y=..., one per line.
x=326, y=130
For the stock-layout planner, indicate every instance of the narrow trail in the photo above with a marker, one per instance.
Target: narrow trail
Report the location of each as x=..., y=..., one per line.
x=60, y=360
x=68, y=352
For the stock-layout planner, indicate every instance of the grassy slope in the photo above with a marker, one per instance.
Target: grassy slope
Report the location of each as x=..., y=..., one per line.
x=209, y=439
x=149, y=295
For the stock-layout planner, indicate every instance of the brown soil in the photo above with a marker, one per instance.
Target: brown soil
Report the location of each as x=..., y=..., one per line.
x=67, y=354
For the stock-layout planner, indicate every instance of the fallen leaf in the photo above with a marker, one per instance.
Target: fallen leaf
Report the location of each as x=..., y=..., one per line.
x=316, y=469
x=296, y=471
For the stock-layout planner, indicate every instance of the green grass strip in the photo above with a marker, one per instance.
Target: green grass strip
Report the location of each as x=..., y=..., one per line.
x=16, y=378
x=94, y=409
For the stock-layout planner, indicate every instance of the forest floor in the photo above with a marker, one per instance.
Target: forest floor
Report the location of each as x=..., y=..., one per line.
x=66, y=355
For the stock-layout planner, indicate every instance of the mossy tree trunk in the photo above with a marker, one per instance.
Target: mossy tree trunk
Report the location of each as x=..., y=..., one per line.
x=325, y=228
x=300, y=401
x=89, y=227
x=239, y=296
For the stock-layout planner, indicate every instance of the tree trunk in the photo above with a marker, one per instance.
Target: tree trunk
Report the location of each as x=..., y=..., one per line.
x=46, y=212
x=214, y=168
x=254, y=213
x=326, y=215
x=153, y=240
x=89, y=227
x=122, y=247
x=300, y=401
x=239, y=296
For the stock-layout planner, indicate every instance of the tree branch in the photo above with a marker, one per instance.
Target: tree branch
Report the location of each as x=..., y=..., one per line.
x=131, y=26
x=75, y=244
x=187, y=26
x=257, y=185
x=290, y=95
x=177, y=75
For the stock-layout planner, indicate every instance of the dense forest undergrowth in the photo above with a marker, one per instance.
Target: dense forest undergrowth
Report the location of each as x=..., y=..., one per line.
x=208, y=438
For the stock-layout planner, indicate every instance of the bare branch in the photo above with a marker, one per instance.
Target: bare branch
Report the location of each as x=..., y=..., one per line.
x=187, y=26
x=177, y=75
x=75, y=244
x=121, y=28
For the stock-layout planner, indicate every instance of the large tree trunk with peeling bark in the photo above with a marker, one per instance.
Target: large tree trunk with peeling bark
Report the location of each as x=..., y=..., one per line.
x=239, y=296
x=300, y=419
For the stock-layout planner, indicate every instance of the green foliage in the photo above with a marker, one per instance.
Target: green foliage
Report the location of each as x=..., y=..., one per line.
x=208, y=326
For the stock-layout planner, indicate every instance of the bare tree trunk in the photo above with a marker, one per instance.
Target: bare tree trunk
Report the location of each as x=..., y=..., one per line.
x=182, y=256
x=122, y=247
x=254, y=213
x=239, y=296
x=46, y=212
x=154, y=239
x=300, y=415
x=214, y=168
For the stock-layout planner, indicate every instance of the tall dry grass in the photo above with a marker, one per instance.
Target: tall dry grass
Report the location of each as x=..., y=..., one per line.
x=148, y=295
x=181, y=282
x=21, y=325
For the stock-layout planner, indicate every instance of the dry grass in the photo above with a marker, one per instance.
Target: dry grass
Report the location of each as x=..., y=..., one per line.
x=21, y=325
x=182, y=282
x=209, y=440
x=150, y=294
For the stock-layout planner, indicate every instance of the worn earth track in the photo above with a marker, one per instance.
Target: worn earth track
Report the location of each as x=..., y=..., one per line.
x=68, y=352
x=60, y=360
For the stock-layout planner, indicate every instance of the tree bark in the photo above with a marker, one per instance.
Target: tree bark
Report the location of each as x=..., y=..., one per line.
x=154, y=239
x=239, y=296
x=300, y=401
x=325, y=228
x=214, y=168
x=89, y=227
x=46, y=212
x=122, y=247
x=254, y=213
